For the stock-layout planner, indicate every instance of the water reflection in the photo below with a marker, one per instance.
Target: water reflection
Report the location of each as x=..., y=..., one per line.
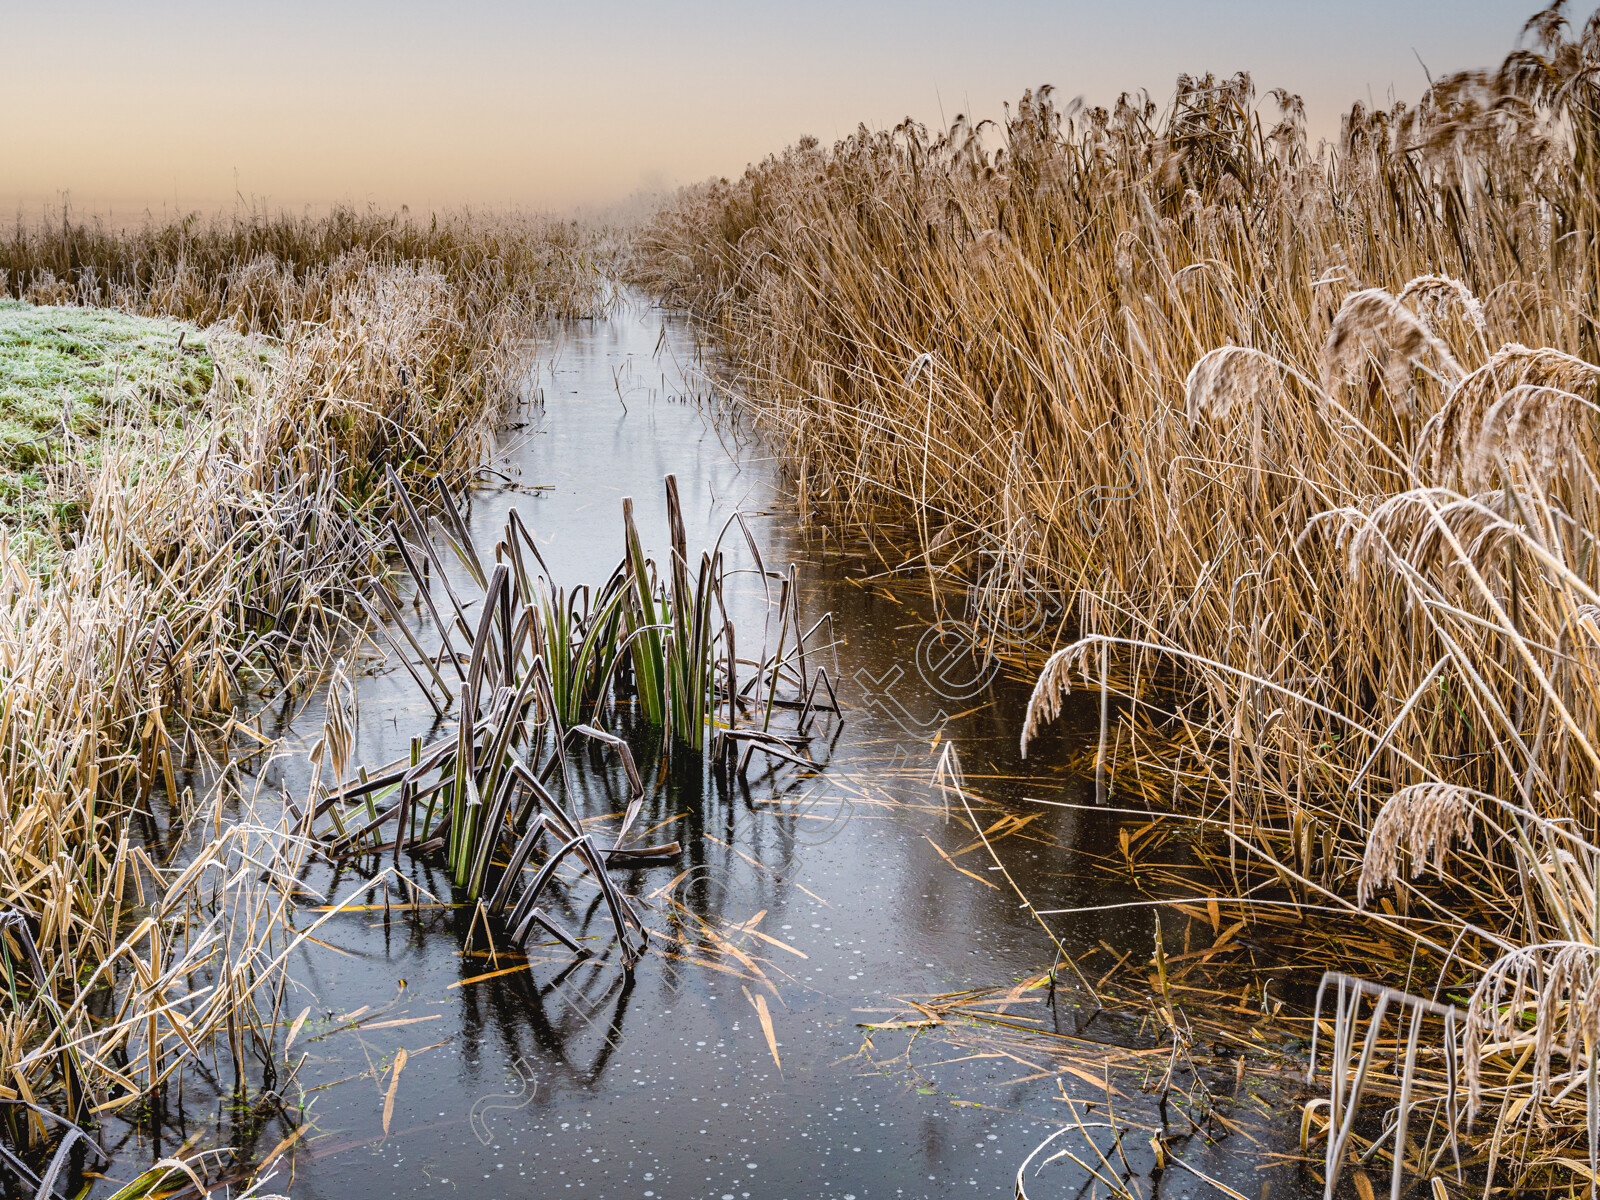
x=835, y=897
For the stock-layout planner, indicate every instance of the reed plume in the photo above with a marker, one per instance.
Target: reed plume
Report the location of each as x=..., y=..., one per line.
x=1230, y=376
x=1530, y=425
x=1460, y=434
x=1372, y=322
x=1434, y=297
x=1417, y=822
x=1052, y=687
x=1558, y=984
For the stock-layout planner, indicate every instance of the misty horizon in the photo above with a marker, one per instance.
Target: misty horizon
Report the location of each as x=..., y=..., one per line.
x=175, y=107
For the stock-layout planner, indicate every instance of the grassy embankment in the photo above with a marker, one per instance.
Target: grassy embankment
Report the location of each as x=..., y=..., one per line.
x=188, y=488
x=67, y=375
x=1361, y=541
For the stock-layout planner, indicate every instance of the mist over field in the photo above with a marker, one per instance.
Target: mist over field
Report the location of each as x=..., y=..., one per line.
x=179, y=106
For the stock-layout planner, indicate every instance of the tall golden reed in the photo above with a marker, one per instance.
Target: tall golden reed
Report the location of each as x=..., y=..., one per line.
x=1308, y=433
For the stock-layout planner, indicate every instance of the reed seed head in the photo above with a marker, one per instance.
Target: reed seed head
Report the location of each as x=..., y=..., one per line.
x=1052, y=686
x=1435, y=297
x=1230, y=377
x=1373, y=324
x=1530, y=425
x=1422, y=821
x=1545, y=388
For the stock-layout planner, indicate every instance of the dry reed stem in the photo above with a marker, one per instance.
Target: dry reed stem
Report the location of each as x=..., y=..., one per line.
x=1305, y=583
x=215, y=566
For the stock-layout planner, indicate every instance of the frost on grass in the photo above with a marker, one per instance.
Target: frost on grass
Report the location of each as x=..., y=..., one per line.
x=69, y=376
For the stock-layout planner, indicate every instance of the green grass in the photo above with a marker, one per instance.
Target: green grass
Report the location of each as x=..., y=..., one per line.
x=68, y=376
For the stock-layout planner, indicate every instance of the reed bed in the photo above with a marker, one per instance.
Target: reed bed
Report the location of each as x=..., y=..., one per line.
x=1303, y=442
x=266, y=271
x=214, y=567
x=540, y=672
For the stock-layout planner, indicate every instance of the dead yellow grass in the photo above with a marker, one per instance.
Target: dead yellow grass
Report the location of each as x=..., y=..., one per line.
x=216, y=565
x=1309, y=433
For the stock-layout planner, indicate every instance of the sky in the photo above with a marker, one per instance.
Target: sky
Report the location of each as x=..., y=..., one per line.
x=119, y=106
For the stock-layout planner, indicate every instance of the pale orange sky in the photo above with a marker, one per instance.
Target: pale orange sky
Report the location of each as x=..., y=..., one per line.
x=173, y=104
